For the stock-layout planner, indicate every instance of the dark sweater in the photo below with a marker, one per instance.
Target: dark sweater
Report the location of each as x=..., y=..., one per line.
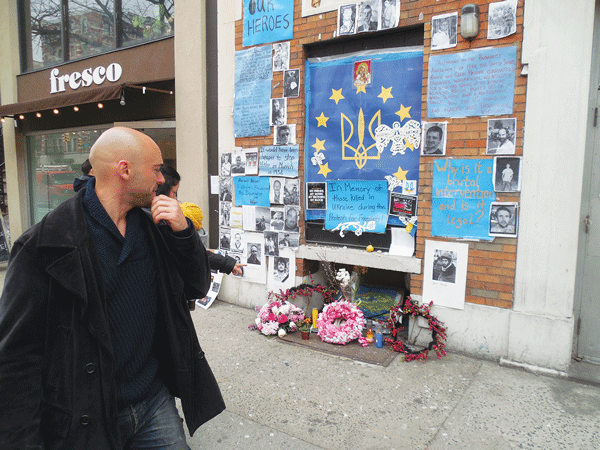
x=129, y=277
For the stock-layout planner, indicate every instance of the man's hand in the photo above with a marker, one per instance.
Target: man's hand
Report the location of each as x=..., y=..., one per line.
x=238, y=269
x=168, y=209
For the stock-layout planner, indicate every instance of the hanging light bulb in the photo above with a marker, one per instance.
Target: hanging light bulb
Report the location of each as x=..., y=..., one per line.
x=122, y=100
x=100, y=105
x=76, y=108
x=55, y=111
x=38, y=114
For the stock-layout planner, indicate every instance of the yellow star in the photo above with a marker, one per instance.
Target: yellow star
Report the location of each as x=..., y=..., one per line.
x=361, y=88
x=322, y=120
x=404, y=112
x=336, y=95
x=386, y=93
x=409, y=144
x=324, y=170
x=401, y=174
x=319, y=145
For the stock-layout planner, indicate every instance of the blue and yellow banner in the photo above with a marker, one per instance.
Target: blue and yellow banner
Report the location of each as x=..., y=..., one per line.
x=363, y=120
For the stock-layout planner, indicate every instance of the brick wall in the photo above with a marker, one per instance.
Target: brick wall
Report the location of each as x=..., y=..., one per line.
x=491, y=268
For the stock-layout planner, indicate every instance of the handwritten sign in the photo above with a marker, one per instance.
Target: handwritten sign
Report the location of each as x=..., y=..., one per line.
x=253, y=191
x=316, y=195
x=462, y=193
x=253, y=75
x=357, y=205
x=279, y=161
x=268, y=21
x=473, y=83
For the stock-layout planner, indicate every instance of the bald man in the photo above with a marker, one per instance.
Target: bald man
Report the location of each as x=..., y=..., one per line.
x=95, y=333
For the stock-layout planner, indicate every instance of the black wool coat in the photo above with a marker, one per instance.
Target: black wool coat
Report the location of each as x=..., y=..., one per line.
x=56, y=360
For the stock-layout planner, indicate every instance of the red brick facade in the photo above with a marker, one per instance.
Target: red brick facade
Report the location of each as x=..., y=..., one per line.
x=491, y=268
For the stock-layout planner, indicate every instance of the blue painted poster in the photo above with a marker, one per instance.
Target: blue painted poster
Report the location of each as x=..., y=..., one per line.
x=357, y=206
x=279, y=161
x=474, y=83
x=463, y=191
x=253, y=75
x=253, y=191
x=363, y=120
x=267, y=21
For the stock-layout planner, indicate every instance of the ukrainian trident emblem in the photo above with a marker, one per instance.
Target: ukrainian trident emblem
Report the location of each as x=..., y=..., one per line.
x=402, y=137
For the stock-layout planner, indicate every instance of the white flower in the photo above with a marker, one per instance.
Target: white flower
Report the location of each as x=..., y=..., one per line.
x=317, y=160
x=281, y=332
x=275, y=310
x=257, y=320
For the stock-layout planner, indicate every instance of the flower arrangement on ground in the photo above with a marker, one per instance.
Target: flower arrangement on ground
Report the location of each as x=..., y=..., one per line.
x=278, y=317
x=304, y=325
x=341, y=322
x=438, y=331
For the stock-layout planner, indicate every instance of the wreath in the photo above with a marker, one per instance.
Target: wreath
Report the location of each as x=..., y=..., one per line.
x=341, y=322
x=438, y=331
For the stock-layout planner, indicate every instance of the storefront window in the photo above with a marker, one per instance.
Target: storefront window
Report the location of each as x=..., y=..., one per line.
x=54, y=161
x=91, y=27
x=145, y=20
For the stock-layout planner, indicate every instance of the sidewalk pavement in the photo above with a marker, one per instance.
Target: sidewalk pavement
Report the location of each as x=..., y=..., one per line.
x=284, y=396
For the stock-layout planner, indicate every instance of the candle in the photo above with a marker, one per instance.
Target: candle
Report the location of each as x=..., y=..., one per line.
x=315, y=315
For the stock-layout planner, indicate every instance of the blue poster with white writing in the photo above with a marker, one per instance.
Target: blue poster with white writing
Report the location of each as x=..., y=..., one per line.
x=252, y=191
x=475, y=83
x=279, y=161
x=251, y=107
x=462, y=192
x=267, y=21
x=357, y=206
x=363, y=120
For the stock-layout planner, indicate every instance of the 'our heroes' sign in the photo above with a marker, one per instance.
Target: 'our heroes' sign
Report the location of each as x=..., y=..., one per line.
x=268, y=21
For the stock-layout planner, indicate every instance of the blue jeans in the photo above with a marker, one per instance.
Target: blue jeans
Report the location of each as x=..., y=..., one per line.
x=152, y=424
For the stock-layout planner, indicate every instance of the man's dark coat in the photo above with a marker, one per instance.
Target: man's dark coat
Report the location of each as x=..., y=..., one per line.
x=56, y=361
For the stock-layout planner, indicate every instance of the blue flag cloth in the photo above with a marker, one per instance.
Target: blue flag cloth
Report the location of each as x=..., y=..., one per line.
x=363, y=120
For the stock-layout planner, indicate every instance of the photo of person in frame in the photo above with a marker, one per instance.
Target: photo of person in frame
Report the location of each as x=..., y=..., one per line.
x=503, y=219
x=347, y=19
x=368, y=16
x=291, y=83
x=281, y=271
x=254, y=253
x=434, y=142
x=444, y=266
x=278, y=113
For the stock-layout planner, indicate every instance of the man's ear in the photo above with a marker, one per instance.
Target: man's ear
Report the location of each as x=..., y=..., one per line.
x=124, y=169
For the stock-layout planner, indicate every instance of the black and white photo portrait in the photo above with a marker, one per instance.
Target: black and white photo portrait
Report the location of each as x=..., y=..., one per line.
x=291, y=218
x=278, y=111
x=502, y=19
x=224, y=214
x=390, y=14
x=433, y=141
x=285, y=135
x=224, y=238
x=504, y=219
x=254, y=253
x=501, y=136
x=225, y=189
x=347, y=19
x=276, y=190
x=444, y=266
x=271, y=243
x=281, y=269
x=291, y=192
x=291, y=83
x=237, y=244
x=368, y=16
x=251, y=155
x=443, y=31
x=277, y=219
x=226, y=164
x=262, y=217
x=507, y=174
x=239, y=163
x=289, y=240
x=281, y=56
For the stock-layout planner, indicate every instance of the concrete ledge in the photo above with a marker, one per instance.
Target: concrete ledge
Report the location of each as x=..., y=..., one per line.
x=360, y=257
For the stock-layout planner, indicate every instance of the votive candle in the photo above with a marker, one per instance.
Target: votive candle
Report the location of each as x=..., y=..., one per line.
x=315, y=315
